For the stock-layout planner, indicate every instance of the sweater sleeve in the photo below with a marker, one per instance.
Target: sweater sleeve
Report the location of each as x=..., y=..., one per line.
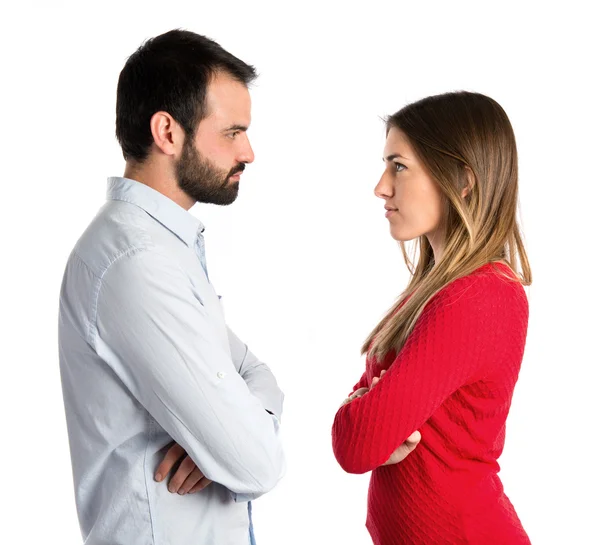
x=362, y=383
x=453, y=339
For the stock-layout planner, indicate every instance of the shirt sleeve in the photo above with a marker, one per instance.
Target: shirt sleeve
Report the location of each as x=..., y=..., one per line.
x=159, y=339
x=452, y=340
x=257, y=375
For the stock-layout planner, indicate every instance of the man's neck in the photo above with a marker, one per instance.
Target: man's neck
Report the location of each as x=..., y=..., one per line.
x=159, y=181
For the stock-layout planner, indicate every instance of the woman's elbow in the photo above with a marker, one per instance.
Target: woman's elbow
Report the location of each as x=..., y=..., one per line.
x=350, y=460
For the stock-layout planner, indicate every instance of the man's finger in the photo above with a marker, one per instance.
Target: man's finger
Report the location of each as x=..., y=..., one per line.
x=192, y=479
x=183, y=471
x=200, y=485
x=170, y=459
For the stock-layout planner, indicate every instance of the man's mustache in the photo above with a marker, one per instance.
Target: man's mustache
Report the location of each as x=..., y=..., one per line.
x=240, y=167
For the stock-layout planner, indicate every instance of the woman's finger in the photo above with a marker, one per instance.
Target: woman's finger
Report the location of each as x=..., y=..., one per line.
x=413, y=438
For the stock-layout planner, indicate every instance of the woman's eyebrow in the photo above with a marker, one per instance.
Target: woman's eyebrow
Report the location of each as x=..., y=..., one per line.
x=395, y=156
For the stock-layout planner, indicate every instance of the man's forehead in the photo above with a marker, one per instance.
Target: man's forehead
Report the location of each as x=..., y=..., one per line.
x=228, y=100
x=225, y=88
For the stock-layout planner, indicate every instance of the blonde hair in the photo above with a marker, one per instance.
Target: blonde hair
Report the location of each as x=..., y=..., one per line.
x=461, y=138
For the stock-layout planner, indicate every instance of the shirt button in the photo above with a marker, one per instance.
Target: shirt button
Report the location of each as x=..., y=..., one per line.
x=220, y=374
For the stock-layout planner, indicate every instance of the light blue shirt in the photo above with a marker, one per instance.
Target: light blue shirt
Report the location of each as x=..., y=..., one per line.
x=146, y=358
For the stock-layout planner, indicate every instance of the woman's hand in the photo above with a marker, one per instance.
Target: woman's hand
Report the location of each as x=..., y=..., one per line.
x=404, y=449
x=356, y=394
x=188, y=478
x=411, y=442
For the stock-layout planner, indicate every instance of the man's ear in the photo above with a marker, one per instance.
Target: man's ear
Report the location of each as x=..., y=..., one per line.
x=167, y=134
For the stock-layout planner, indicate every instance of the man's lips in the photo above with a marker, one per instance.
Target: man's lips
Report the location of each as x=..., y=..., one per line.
x=236, y=174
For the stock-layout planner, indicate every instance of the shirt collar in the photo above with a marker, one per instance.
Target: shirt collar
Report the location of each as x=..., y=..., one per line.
x=164, y=210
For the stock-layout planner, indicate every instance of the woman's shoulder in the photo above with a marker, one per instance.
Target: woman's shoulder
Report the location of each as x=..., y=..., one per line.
x=494, y=283
x=500, y=276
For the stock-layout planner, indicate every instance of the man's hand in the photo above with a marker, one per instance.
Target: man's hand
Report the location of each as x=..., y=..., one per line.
x=188, y=478
x=405, y=448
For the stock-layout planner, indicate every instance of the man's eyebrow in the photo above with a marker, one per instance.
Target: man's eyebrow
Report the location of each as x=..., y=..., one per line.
x=395, y=156
x=236, y=128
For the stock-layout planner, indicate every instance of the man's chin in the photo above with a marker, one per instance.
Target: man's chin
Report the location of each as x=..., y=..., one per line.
x=230, y=196
x=224, y=197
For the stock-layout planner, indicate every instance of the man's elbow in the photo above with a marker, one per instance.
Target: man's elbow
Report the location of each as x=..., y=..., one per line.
x=269, y=473
x=264, y=476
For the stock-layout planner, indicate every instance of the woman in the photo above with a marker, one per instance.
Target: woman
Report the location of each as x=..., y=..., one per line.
x=452, y=345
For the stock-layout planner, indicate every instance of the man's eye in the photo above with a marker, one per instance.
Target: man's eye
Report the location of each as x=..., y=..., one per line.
x=232, y=135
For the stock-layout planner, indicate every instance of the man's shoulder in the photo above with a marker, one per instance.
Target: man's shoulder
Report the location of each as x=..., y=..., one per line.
x=119, y=229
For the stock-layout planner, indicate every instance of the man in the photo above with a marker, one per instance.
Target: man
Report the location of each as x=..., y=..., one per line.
x=148, y=365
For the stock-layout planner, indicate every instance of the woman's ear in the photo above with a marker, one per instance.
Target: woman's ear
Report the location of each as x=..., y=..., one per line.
x=469, y=182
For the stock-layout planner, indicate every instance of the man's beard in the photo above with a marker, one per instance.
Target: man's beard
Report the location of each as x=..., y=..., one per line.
x=202, y=181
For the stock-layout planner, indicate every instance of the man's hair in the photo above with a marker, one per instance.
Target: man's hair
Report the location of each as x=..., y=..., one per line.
x=170, y=73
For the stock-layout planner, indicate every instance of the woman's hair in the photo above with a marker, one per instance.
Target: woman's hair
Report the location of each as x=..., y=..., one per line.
x=461, y=138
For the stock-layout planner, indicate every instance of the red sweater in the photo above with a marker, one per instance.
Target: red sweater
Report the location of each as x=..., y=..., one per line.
x=453, y=381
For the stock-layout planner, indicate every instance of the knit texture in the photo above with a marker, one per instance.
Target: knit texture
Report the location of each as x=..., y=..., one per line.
x=453, y=381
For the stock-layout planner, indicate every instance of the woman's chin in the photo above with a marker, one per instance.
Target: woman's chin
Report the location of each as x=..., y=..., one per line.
x=402, y=236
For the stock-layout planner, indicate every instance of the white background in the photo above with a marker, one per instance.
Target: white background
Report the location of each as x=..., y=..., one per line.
x=304, y=259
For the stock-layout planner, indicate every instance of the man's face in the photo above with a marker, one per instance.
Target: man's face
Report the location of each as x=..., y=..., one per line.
x=212, y=162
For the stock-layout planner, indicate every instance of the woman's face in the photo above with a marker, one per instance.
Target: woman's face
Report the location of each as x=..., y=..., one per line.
x=413, y=200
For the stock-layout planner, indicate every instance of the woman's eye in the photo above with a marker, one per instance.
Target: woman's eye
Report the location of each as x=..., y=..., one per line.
x=399, y=167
